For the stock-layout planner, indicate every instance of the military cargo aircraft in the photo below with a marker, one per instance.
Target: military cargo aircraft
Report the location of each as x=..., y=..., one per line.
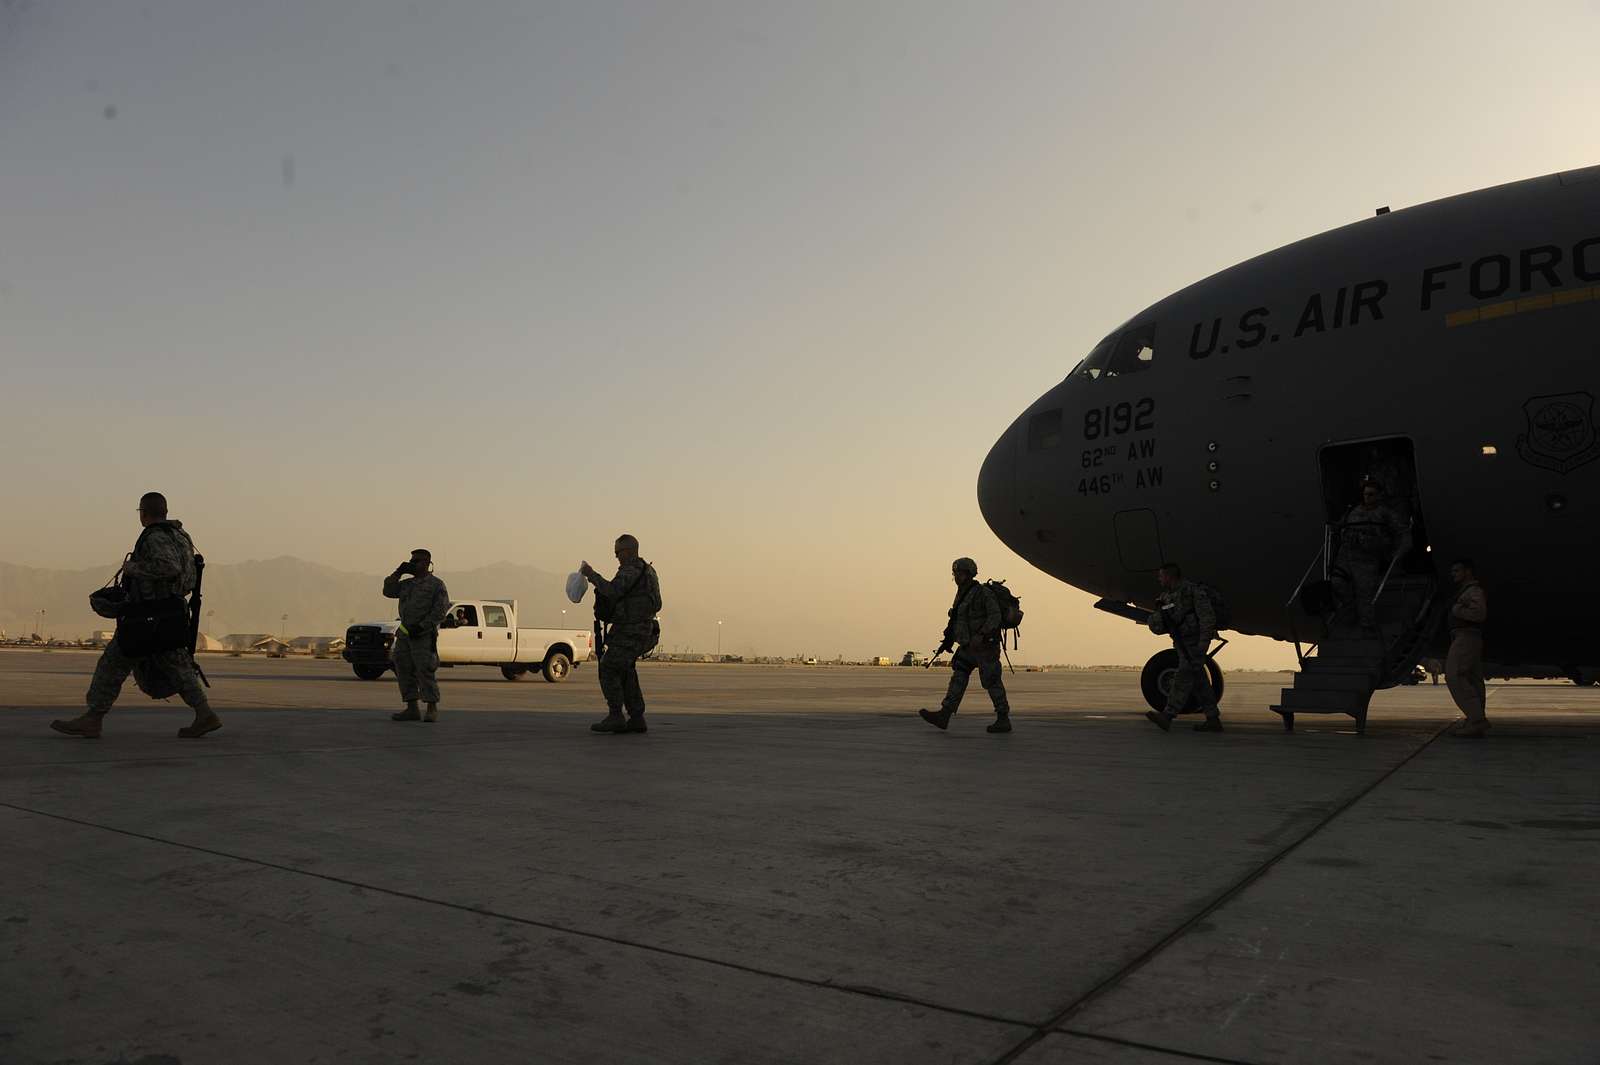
x=1449, y=351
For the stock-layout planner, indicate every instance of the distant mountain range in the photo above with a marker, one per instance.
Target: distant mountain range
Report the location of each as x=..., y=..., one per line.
x=255, y=597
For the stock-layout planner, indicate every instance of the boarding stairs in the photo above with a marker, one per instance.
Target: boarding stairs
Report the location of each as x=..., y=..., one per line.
x=1340, y=672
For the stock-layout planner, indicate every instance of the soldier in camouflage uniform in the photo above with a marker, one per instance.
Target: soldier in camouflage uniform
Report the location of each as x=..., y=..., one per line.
x=424, y=602
x=974, y=630
x=160, y=566
x=1394, y=477
x=635, y=594
x=1184, y=612
x=1369, y=538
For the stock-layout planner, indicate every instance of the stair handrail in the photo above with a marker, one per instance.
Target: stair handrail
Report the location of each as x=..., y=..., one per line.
x=1320, y=556
x=1415, y=635
x=1395, y=561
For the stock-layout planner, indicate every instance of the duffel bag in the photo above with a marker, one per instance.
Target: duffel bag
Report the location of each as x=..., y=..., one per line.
x=152, y=626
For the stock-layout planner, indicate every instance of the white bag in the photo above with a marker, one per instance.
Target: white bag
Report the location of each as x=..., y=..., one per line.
x=576, y=586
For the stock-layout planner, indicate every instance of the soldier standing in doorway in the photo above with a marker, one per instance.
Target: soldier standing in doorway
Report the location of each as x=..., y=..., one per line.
x=161, y=566
x=424, y=602
x=1369, y=539
x=974, y=631
x=628, y=603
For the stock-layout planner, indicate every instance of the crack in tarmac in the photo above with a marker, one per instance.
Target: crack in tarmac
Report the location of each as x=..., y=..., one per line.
x=1110, y=983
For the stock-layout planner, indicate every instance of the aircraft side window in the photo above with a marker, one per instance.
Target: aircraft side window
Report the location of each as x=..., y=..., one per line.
x=1044, y=430
x=494, y=617
x=1135, y=351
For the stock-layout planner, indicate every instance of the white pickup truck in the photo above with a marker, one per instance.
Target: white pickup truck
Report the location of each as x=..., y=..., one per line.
x=484, y=633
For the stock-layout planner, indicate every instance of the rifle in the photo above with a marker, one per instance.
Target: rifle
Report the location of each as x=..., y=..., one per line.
x=195, y=603
x=948, y=640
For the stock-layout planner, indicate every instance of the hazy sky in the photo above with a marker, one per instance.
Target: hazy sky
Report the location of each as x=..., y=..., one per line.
x=760, y=283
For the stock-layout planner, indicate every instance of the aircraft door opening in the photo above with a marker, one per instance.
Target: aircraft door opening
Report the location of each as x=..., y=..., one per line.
x=1391, y=462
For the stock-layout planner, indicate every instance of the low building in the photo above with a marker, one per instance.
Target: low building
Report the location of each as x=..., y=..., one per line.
x=270, y=645
x=315, y=645
x=243, y=641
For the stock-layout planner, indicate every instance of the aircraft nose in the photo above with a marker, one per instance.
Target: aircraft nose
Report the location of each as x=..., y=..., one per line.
x=997, y=489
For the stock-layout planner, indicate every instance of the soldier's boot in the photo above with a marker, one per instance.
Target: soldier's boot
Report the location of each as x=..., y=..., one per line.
x=1160, y=719
x=433, y=712
x=633, y=724
x=1212, y=723
x=205, y=720
x=612, y=722
x=86, y=725
x=1002, y=723
x=1472, y=730
x=408, y=714
x=939, y=719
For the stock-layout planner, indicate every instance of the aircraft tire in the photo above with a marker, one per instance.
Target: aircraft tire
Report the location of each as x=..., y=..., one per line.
x=370, y=672
x=1156, y=680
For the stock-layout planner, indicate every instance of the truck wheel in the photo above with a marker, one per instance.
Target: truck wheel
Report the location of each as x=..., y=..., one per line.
x=1156, y=680
x=556, y=668
x=513, y=672
x=370, y=672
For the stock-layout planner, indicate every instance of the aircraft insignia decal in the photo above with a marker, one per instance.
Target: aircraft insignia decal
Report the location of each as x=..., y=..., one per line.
x=1561, y=432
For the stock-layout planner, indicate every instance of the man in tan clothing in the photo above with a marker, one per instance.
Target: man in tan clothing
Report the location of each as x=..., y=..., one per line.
x=1463, y=668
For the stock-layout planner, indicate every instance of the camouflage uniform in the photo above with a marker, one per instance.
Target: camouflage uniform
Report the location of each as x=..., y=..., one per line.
x=1188, y=608
x=1463, y=668
x=1369, y=539
x=975, y=629
x=423, y=604
x=161, y=566
x=1394, y=480
x=634, y=633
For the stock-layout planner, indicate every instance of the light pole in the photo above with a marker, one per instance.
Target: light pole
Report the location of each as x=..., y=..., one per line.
x=719, y=641
x=283, y=627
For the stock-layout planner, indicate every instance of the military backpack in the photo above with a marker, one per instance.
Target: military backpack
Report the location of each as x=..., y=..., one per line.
x=1010, y=610
x=1219, y=605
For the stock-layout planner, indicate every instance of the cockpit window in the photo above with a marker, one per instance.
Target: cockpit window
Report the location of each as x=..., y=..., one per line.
x=1130, y=351
x=1044, y=430
x=1135, y=351
x=1095, y=363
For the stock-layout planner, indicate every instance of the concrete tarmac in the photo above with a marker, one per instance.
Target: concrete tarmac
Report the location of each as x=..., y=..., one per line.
x=790, y=867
